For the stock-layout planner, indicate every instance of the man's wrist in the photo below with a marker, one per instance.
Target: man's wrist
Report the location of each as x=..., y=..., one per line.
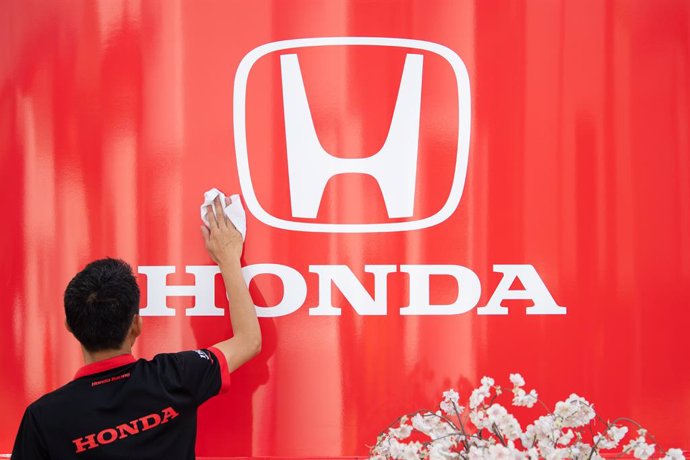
x=229, y=263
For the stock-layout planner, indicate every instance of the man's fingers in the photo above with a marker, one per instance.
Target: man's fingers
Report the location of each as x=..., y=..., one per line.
x=220, y=215
x=211, y=216
x=205, y=234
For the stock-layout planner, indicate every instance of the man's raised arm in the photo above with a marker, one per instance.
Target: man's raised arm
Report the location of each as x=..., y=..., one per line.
x=224, y=245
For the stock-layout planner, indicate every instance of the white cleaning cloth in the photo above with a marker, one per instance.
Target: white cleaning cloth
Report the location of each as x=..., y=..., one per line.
x=234, y=211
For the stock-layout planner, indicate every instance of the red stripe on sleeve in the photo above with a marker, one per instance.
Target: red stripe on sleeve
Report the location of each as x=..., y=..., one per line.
x=224, y=373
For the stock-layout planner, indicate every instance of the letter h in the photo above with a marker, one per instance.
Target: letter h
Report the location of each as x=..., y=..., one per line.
x=310, y=167
x=158, y=290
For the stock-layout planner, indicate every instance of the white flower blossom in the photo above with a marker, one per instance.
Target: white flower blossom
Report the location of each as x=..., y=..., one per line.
x=496, y=411
x=643, y=451
x=639, y=446
x=496, y=452
x=549, y=452
x=521, y=398
x=517, y=380
x=574, y=411
x=479, y=419
x=401, y=451
x=440, y=450
x=449, y=408
x=580, y=451
x=616, y=433
x=487, y=382
x=432, y=425
x=403, y=432
x=425, y=423
x=566, y=438
x=532, y=453
x=478, y=396
x=674, y=454
x=421, y=423
x=540, y=432
x=449, y=405
x=499, y=419
x=451, y=395
x=476, y=453
x=611, y=438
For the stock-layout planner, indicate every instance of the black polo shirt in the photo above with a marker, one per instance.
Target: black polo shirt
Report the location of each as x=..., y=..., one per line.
x=122, y=408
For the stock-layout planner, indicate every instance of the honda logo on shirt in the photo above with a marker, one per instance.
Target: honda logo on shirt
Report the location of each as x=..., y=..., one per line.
x=433, y=82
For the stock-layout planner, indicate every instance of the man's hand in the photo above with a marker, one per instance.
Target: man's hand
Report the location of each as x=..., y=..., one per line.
x=223, y=241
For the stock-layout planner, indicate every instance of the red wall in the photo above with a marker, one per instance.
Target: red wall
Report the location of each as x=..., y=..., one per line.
x=564, y=125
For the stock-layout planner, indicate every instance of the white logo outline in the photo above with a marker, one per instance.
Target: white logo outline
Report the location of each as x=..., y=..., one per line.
x=241, y=154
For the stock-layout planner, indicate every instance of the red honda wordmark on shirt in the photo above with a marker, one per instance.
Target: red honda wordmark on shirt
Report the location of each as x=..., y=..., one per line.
x=110, y=379
x=136, y=426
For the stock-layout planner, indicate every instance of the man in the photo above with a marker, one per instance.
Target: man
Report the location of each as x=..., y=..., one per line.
x=120, y=408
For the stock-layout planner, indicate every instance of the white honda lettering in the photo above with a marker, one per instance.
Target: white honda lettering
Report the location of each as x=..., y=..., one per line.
x=352, y=289
x=294, y=288
x=469, y=290
x=158, y=290
x=394, y=166
x=534, y=290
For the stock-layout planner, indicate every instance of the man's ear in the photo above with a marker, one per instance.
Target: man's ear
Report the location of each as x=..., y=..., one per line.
x=137, y=325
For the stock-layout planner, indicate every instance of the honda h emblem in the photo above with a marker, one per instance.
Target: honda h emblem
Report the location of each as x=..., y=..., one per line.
x=310, y=166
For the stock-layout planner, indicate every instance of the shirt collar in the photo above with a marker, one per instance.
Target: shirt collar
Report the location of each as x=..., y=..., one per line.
x=105, y=365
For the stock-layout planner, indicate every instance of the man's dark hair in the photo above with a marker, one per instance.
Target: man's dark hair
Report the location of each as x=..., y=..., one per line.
x=100, y=303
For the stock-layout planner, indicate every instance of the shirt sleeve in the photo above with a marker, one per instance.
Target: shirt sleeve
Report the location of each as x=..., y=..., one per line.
x=29, y=443
x=203, y=373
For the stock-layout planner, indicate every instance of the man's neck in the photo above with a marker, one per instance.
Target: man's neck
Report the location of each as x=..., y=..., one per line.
x=94, y=356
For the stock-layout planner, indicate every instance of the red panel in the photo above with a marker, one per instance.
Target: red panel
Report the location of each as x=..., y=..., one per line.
x=115, y=117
